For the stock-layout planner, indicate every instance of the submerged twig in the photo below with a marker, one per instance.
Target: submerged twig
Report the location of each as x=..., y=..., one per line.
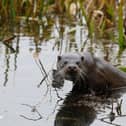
x=33, y=110
x=118, y=108
x=44, y=78
x=30, y=118
x=42, y=67
x=103, y=120
x=56, y=105
x=60, y=98
x=110, y=123
x=44, y=73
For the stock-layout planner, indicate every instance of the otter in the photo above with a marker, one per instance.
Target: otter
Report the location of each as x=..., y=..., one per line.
x=88, y=73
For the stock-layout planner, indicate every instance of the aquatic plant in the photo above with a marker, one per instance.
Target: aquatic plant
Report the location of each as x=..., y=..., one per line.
x=120, y=26
x=100, y=15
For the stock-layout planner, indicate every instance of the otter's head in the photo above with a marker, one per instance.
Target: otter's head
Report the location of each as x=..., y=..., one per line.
x=70, y=66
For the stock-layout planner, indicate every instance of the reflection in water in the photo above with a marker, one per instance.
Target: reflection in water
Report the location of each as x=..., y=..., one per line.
x=8, y=60
x=16, y=54
x=73, y=113
x=7, y=57
x=81, y=110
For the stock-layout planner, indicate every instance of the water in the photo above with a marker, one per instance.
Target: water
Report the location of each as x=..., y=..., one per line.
x=20, y=77
x=23, y=99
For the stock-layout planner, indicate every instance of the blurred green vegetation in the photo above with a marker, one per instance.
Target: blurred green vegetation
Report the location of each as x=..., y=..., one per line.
x=103, y=17
x=123, y=68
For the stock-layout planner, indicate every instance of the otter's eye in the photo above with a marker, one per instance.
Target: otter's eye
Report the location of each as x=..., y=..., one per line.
x=78, y=63
x=65, y=62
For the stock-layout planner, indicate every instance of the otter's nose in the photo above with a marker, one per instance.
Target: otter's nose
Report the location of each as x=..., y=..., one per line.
x=72, y=68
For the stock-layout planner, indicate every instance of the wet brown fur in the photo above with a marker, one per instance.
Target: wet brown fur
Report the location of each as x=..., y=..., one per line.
x=93, y=74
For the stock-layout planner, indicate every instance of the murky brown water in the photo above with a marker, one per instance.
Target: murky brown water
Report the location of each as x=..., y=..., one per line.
x=24, y=101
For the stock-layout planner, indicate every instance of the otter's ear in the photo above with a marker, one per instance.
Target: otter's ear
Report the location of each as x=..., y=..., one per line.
x=82, y=58
x=59, y=58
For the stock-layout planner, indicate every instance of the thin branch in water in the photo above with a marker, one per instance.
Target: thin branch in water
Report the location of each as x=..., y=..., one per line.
x=43, y=79
x=103, y=120
x=30, y=118
x=110, y=123
x=112, y=114
x=33, y=109
x=39, y=67
x=118, y=108
x=57, y=104
x=58, y=94
x=43, y=72
x=42, y=67
x=60, y=99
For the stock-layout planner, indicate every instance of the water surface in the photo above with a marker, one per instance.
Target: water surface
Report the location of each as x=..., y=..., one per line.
x=23, y=99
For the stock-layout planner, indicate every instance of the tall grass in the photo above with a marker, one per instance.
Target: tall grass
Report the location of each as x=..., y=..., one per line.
x=11, y=9
x=120, y=26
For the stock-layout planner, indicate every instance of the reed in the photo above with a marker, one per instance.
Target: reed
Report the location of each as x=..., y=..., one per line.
x=120, y=26
x=99, y=14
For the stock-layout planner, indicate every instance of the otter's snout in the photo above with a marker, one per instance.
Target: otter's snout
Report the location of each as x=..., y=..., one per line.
x=71, y=69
